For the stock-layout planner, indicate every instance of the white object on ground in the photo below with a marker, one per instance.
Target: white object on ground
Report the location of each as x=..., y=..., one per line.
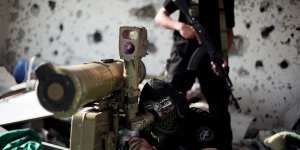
x=21, y=107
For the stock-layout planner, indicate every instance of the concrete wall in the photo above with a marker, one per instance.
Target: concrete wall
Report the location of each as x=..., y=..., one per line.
x=265, y=66
x=76, y=31
x=6, y=56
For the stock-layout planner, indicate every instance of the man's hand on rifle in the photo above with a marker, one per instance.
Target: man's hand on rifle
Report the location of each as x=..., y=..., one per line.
x=216, y=69
x=186, y=31
x=163, y=18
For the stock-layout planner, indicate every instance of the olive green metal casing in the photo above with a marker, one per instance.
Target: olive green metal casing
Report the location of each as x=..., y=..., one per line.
x=110, y=85
x=91, y=81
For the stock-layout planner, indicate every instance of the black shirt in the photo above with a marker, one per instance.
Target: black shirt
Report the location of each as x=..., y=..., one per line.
x=208, y=17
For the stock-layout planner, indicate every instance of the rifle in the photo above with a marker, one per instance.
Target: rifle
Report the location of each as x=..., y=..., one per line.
x=101, y=97
x=204, y=42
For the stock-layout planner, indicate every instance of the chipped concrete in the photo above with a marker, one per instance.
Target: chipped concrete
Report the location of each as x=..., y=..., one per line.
x=265, y=32
x=242, y=72
x=271, y=57
x=145, y=12
x=52, y=5
x=264, y=6
x=35, y=10
x=259, y=64
x=95, y=38
x=284, y=64
x=91, y=27
x=152, y=48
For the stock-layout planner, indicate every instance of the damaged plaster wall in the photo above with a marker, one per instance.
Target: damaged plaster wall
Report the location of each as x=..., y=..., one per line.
x=264, y=67
x=76, y=31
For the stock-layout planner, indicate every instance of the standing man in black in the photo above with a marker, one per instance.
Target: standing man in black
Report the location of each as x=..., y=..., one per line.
x=185, y=43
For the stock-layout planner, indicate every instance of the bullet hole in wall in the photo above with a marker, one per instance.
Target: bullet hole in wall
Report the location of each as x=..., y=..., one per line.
x=52, y=5
x=38, y=55
x=254, y=120
x=259, y=64
x=247, y=24
x=284, y=64
x=35, y=10
x=264, y=5
x=51, y=39
x=242, y=72
x=147, y=11
x=266, y=31
x=292, y=35
x=151, y=48
x=279, y=8
x=97, y=37
x=289, y=86
x=284, y=98
x=287, y=42
x=61, y=27
x=55, y=52
x=298, y=28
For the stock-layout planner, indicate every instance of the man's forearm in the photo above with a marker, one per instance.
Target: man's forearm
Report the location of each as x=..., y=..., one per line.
x=163, y=19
